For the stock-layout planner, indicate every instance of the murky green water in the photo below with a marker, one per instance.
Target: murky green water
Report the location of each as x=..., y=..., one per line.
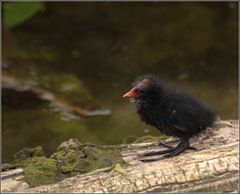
x=107, y=46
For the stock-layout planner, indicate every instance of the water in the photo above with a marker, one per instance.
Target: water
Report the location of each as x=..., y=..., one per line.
x=108, y=53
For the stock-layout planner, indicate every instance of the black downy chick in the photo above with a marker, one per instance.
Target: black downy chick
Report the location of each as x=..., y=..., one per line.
x=174, y=113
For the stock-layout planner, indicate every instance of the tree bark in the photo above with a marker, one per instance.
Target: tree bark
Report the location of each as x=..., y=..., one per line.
x=213, y=168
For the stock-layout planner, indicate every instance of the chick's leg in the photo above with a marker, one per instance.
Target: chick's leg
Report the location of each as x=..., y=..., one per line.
x=166, y=145
x=180, y=148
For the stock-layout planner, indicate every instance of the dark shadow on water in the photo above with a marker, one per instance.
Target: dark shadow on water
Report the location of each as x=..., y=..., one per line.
x=191, y=46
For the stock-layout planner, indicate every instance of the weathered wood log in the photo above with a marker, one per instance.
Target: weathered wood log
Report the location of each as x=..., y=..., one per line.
x=213, y=168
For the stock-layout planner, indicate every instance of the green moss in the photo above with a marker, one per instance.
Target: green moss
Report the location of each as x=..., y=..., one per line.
x=67, y=162
x=98, y=157
x=149, y=138
x=74, y=161
x=22, y=157
x=129, y=139
x=118, y=168
x=40, y=170
x=146, y=138
x=72, y=158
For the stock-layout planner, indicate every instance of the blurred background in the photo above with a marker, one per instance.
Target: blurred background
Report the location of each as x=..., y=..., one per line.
x=67, y=65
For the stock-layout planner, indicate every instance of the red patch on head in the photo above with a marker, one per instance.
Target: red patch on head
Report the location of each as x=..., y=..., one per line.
x=145, y=82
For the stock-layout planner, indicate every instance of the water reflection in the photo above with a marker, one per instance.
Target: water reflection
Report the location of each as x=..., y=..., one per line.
x=106, y=46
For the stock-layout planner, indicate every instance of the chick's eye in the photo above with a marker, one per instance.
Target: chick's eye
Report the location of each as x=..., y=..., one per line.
x=134, y=84
x=141, y=91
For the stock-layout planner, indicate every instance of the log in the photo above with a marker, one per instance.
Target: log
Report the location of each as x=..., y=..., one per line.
x=214, y=167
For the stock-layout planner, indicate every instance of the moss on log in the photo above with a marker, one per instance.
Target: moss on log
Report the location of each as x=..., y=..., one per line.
x=213, y=168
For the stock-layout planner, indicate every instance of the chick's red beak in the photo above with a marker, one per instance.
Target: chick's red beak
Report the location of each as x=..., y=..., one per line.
x=131, y=93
